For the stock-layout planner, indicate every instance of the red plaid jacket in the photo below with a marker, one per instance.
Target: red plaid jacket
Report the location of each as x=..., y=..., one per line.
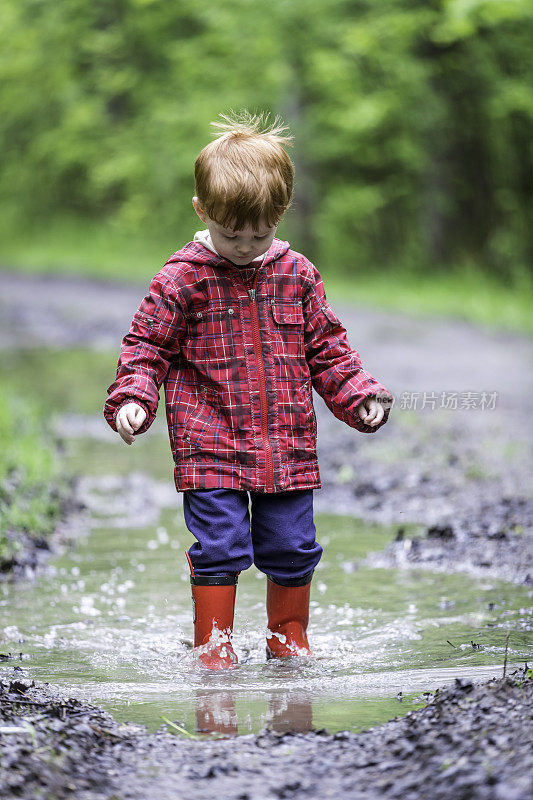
x=239, y=351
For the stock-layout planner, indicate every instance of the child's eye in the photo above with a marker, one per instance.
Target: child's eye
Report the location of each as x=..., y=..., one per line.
x=261, y=237
x=225, y=235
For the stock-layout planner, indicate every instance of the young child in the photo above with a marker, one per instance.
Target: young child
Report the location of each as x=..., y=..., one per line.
x=237, y=327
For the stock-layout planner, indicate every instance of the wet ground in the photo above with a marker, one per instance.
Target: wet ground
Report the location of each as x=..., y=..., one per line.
x=403, y=514
x=469, y=742
x=110, y=622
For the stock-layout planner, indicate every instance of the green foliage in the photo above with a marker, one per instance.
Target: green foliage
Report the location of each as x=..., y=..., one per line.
x=29, y=497
x=413, y=120
x=68, y=378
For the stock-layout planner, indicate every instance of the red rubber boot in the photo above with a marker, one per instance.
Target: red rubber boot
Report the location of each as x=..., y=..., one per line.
x=213, y=602
x=288, y=617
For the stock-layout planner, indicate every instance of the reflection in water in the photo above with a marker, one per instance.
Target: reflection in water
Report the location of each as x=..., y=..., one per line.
x=288, y=712
x=215, y=713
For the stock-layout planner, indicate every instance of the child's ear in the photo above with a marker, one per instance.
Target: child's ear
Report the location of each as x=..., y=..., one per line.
x=198, y=209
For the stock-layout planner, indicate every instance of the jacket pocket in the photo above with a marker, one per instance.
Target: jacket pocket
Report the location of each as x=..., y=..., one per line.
x=288, y=328
x=330, y=315
x=311, y=409
x=196, y=425
x=216, y=334
x=143, y=326
x=298, y=427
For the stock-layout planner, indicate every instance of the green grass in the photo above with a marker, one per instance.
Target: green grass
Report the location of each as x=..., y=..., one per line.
x=105, y=250
x=466, y=294
x=65, y=380
x=69, y=246
x=30, y=482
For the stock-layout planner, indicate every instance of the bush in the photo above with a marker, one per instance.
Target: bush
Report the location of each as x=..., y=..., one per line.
x=30, y=477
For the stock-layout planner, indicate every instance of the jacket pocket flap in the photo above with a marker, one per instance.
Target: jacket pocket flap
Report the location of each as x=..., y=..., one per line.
x=213, y=311
x=144, y=325
x=148, y=319
x=197, y=312
x=330, y=314
x=289, y=313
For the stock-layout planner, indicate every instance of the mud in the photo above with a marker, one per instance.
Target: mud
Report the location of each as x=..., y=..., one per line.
x=32, y=552
x=481, y=543
x=469, y=741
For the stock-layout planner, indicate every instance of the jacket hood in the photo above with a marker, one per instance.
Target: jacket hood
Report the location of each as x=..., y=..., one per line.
x=198, y=253
x=204, y=237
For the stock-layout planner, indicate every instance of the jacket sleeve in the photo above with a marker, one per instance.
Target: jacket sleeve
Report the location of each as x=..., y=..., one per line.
x=148, y=348
x=336, y=370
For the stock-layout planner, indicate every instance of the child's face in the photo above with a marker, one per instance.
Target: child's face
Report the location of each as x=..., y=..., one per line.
x=239, y=247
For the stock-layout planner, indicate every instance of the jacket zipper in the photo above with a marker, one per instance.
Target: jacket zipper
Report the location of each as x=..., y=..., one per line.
x=262, y=388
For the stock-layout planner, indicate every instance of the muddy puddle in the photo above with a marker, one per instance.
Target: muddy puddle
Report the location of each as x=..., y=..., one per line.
x=109, y=621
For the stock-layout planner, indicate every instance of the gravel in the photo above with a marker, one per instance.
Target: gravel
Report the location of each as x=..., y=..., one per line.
x=469, y=741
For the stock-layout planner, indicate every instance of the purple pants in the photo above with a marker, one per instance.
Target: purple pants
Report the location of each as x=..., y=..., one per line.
x=280, y=539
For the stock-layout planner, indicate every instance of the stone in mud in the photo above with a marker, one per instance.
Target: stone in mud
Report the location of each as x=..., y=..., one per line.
x=440, y=532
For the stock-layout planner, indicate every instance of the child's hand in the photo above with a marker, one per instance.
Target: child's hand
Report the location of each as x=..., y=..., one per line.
x=371, y=411
x=129, y=419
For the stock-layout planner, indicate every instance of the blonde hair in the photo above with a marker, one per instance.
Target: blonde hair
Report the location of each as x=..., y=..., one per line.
x=245, y=177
